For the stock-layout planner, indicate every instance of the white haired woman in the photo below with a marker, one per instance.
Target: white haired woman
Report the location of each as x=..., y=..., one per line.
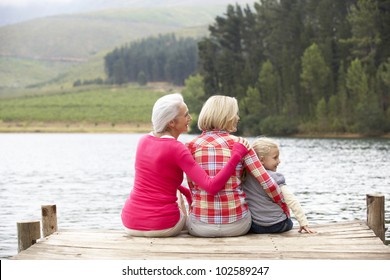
x=151, y=210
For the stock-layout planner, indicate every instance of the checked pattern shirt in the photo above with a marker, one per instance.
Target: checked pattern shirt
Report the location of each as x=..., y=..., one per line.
x=212, y=149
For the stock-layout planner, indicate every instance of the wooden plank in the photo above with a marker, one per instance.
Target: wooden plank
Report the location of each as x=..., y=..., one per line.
x=350, y=240
x=91, y=253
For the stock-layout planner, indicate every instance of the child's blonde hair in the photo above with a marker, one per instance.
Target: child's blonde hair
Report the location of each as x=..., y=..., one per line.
x=263, y=145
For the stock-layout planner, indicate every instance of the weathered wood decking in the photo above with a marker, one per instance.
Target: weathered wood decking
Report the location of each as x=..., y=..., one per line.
x=347, y=240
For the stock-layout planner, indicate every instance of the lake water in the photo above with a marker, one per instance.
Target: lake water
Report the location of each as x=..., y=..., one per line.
x=89, y=176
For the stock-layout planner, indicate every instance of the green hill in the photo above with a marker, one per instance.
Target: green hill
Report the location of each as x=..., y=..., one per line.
x=61, y=49
x=92, y=108
x=77, y=37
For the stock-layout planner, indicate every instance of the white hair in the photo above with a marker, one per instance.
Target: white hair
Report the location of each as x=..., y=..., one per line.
x=165, y=110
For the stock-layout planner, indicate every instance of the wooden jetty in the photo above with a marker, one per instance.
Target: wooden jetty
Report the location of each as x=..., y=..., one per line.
x=353, y=240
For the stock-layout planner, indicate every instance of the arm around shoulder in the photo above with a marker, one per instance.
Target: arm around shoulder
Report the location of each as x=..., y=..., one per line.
x=215, y=184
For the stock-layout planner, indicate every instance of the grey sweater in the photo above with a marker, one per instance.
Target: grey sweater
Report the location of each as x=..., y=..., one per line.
x=264, y=211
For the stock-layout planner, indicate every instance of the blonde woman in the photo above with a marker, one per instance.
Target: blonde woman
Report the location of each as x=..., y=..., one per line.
x=224, y=212
x=267, y=216
x=151, y=210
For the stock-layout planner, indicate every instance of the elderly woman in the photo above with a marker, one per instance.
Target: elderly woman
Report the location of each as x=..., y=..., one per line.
x=226, y=212
x=152, y=210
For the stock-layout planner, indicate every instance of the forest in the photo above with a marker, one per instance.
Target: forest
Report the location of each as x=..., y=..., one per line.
x=295, y=66
x=163, y=58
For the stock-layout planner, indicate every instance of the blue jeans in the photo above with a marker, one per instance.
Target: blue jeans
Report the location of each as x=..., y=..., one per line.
x=282, y=226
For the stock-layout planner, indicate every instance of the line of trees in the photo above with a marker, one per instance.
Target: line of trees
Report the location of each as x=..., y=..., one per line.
x=302, y=65
x=154, y=59
x=294, y=65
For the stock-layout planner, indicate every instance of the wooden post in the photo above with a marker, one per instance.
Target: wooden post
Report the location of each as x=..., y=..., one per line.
x=49, y=219
x=376, y=214
x=28, y=234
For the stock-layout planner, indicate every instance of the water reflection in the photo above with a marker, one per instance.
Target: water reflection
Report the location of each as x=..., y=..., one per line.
x=88, y=177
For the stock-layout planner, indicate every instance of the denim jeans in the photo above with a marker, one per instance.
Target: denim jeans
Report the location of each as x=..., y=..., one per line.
x=282, y=226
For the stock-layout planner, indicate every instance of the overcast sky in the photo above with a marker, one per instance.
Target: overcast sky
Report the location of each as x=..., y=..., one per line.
x=13, y=11
x=21, y=3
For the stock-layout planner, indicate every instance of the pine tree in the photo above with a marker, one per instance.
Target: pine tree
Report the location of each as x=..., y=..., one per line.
x=367, y=114
x=314, y=78
x=270, y=88
x=365, y=32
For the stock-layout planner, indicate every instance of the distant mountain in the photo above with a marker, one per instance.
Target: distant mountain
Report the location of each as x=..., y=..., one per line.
x=76, y=37
x=68, y=41
x=12, y=13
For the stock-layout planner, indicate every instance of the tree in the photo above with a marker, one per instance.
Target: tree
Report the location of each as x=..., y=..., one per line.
x=252, y=111
x=270, y=88
x=194, y=96
x=289, y=58
x=141, y=79
x=208, y=50
x=322, y=115
x=119, y=72
x=383, y=87
x=326, y=24
x=227, y=46
x=162, y=58
x=383, y=25
x=383, y=77
x=366, y=112
x=365, y=33
x=343, y=112
x=314, y=78
x=335, y=122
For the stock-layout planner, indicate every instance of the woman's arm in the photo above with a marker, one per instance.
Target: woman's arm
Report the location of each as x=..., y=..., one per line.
x=254, y=166
x=199, y=176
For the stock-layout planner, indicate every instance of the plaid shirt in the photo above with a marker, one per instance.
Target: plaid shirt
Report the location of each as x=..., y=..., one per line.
x=212, y=150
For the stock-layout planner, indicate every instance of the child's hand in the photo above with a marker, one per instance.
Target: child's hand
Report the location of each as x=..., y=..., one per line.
x=306, y=229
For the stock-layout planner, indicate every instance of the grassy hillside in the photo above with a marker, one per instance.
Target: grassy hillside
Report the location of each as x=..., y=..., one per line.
x=62, y=49
x=77, y=37
x=22, y=72
x=72, y=38
x=40, y=59
x=91, y=106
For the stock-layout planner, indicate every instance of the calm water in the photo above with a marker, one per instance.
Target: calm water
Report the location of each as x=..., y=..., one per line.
x=89, y=176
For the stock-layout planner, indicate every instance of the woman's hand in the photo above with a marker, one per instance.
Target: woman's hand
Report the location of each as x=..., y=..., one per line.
x=243, y=141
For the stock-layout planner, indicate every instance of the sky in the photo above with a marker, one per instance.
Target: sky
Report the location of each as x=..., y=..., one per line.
x=23, y=3
x=14, y=11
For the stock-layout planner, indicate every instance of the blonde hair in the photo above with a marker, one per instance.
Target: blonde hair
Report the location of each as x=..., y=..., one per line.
x=263, y=145
x=165, y=110
x=218, y=112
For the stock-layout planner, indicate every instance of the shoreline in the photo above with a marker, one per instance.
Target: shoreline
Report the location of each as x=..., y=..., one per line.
x=82, y=127
x=339, y=135
x=62, y=127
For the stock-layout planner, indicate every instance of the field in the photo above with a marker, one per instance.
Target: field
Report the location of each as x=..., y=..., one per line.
x=65, y=48
x=41, y=59
x=82, y=109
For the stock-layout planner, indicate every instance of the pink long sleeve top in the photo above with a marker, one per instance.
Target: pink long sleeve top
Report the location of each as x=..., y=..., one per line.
x=159, y=165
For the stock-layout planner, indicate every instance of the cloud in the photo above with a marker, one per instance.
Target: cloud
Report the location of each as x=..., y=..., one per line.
x=24, y=3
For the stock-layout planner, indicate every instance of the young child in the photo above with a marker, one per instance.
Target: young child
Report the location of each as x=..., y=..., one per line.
x=267, y=216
